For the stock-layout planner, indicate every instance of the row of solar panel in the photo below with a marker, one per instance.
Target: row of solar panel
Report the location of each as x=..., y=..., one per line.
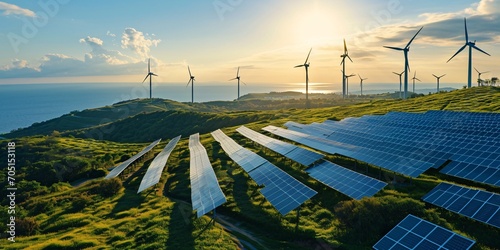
x=348, y=182
x=476, y=156
x=283, y=191
x=415, y=233
x=476, y=204
x=119, y=169
x=206, y=193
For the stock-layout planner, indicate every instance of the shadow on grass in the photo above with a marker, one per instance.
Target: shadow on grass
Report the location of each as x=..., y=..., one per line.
x=128, y=200
x=180, y=228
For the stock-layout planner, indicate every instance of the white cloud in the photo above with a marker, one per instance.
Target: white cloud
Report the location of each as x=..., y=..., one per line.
x=11, y=9
x=136, y=41
x=100, y=55
x=110, y=34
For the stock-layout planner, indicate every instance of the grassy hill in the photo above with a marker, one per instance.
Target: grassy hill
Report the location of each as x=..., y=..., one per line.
x=102, y=214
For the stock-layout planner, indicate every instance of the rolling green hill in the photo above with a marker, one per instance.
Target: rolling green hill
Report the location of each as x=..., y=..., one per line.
x=59, y=209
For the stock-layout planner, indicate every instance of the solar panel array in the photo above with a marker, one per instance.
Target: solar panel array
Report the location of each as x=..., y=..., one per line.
x=295, y=153
x=152, y=176
x=206, y=193
x=476, y=204
x=119, y=169
x=283, y=191
x=411, y=143
x=415, y=233
x=348, y=182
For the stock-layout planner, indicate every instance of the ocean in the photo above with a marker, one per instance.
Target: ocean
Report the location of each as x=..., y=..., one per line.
x=24, y=104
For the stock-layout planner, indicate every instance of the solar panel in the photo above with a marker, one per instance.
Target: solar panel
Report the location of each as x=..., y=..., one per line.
x=348, y=182
x=476, y=204
x=410, y=143
x=284, y=192
x=415, y=233
x=152, y=176
x=206, y=194
x=295, y=153
x=119, y=169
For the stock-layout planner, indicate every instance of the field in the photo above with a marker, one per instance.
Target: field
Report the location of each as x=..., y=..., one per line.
x=66, y=204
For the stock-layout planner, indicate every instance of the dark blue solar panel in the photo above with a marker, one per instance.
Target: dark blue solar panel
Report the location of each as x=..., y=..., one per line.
x=476, y=204
x=415, y=233
x=283, y=191
x=348, y=182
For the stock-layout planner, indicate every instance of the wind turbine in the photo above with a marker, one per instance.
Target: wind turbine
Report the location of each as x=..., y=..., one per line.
x=479, y=81
x=150, y=75
x=238, y=78
x=437, y=78
x=471, y=45
x=415, y=78
x=400, y=82
x=361, y=83
x=346, y=54
x=306, y=66
x=347, y=82
x=191, y=80
x=407, y=66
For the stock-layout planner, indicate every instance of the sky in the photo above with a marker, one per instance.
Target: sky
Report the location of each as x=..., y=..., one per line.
x=68, y=41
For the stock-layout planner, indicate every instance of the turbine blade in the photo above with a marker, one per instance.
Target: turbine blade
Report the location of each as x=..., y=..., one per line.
x=460, y=50
x=442, y=75
x=475, y=47
x=395, y=73
x=307, y=58
x=417, y=79
x=477, y=71
x=145, y=78
x=189, y=70
x=466, y=33
x=485, y=72
x=302, y=65
x=360, y=77
x=395, y=48
x=238, y=72
x=408, y=63
x=343, y=60
x=435, y=76
x=345, y=48
x=415, y=74
x=408, y=45
x=189, y=82
x=243, y=82
x=349, y=58
x=149, y=65
x=154, y=74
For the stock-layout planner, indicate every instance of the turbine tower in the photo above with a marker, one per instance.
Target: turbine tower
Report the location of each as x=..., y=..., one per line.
x=406, y=49
x=306, y=66
x=437, y=78
x=347, y=82
x=361, y=83
x=471, y=45
x=238, y=78
x=400, y=81
x=415, y=78
x=479, y=81
x=191, y=80
x=346, y=54
x=150, y=75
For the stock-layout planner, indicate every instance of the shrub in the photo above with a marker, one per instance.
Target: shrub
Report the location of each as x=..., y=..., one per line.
x=109, y=187
x=80, y=202
x=26, y=226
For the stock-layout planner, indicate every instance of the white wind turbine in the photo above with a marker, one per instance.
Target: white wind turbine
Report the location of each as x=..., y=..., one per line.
x=150, y=75
x=238, y=78
x=400, y=81
x=438, y=78
x=406, y=49
x=471, y=45
x=191, y=80
x=306, y=66
x=346, y=54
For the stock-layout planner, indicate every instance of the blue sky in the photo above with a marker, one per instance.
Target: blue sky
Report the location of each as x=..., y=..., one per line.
x=110, y=41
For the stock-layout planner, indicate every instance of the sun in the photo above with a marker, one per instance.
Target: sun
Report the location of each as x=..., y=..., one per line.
x=315, y=25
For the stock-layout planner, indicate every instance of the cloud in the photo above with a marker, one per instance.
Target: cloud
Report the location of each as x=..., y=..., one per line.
x=100, y=55
x=136, y=41
x=110, y=34
x=11, y=9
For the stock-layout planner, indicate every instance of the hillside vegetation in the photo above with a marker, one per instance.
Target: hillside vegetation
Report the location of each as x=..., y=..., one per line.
x=65, y=203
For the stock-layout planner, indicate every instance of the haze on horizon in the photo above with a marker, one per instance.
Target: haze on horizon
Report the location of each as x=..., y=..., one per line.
x=75, y=41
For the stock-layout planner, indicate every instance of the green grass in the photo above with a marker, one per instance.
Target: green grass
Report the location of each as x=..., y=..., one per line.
x=162, y=216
